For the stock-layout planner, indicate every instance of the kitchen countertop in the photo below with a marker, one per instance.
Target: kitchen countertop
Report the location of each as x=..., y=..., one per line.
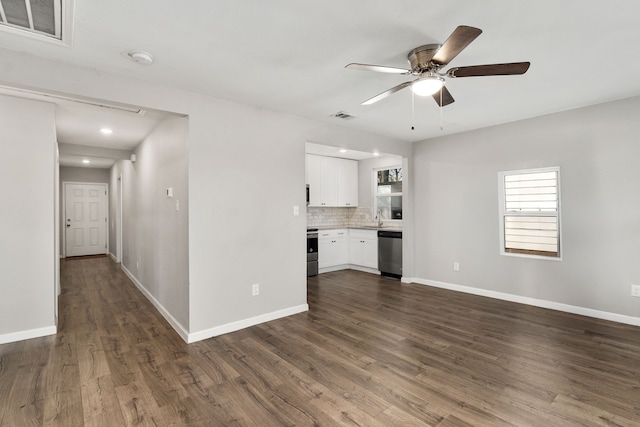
x=337, y=227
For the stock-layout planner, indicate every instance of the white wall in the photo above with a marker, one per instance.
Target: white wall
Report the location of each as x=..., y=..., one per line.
x=155, y=234
x=72, y=174
x=240, y=232
x=27, y=247
x=456, y=209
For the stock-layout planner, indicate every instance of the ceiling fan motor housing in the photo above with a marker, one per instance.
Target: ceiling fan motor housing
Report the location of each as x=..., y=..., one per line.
x=420, y=58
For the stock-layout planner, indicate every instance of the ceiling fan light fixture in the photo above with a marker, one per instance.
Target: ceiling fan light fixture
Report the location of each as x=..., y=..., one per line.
x=428, y=85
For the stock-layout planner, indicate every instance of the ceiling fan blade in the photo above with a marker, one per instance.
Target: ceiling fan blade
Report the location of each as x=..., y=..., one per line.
x=446, y=97
x=490, y=70
x=457, y=41
x=386, y=93
x=378, y=68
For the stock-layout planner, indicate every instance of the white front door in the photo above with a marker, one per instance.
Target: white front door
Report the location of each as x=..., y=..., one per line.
x=85, y=219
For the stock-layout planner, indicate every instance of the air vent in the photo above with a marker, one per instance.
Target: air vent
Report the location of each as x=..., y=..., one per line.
x=342, y=115
x=43, y=19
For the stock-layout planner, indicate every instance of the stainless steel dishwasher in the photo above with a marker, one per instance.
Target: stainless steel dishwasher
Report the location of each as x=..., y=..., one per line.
x=390, y=253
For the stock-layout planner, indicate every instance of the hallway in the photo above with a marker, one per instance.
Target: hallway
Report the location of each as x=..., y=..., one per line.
x=110, y=338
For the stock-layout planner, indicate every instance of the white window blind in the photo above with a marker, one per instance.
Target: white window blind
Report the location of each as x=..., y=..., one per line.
x=530, y=212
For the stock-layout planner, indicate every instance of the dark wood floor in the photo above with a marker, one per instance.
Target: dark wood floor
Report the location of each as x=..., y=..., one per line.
x=370, y=352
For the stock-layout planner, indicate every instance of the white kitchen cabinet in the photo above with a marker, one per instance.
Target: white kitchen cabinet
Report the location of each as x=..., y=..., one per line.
x=333, y=248
x=363, y=248
x=314, y=179
x=329, y=184
x=332, y=182
x=347, y=182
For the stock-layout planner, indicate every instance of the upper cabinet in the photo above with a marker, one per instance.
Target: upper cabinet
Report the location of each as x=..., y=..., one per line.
x=347, y=182
x=314, y=179
x=332, y=181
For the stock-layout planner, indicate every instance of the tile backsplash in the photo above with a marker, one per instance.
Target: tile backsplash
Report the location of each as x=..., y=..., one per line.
x=345, y=218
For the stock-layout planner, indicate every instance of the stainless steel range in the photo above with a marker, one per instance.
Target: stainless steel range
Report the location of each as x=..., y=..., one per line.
x=312, y=252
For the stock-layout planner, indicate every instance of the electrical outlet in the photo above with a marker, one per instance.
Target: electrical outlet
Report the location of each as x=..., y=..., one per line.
x=456, y=266
x=255, y=289
x=635, y=290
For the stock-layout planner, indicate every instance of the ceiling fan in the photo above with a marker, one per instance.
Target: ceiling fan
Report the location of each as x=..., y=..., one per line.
x=426, y=62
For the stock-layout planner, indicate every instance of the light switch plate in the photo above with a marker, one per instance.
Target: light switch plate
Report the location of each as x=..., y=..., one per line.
x=296, y=210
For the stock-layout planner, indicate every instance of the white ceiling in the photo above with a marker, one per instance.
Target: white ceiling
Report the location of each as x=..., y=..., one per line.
x=79, y=121
x=290, y=55
x=80, y=124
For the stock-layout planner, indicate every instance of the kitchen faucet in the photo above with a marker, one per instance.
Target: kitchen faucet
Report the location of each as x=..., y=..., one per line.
x=379, y=217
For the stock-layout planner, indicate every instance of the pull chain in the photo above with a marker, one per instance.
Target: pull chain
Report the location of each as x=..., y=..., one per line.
x=441, y=127
x=413, y=110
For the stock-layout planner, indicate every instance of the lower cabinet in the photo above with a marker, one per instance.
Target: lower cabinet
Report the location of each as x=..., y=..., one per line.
x=363, y=248
x=342, y=248
x=333, y=248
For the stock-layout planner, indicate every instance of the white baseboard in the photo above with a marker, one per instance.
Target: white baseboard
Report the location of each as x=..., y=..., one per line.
x=364, y=269
x=168, y=317
x=245, y=323
x=218, y=330
x=27, y=335
x=583, y=311
x=113, y=257
x=348, y=267
x=333, y=268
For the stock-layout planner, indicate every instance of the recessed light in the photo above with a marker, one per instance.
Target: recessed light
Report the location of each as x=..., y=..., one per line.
x=106, y=131
x=343, y=150
x=376, y=153
x=86, y=162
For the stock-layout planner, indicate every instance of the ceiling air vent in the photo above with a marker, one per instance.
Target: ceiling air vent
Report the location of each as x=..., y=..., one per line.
x=342, y=115
x=42, y=19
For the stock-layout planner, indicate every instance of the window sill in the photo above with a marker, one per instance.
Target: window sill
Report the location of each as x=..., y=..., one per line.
x=531, y=254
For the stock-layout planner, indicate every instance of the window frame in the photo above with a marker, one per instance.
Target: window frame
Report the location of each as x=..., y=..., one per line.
x=374, y=190
x=503, y=212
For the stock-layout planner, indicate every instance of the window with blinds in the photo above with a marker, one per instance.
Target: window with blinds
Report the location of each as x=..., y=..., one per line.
x=530, y=212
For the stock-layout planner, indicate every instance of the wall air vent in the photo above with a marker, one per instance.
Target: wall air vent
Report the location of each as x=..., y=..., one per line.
x=42, y=19
x=342, y=115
